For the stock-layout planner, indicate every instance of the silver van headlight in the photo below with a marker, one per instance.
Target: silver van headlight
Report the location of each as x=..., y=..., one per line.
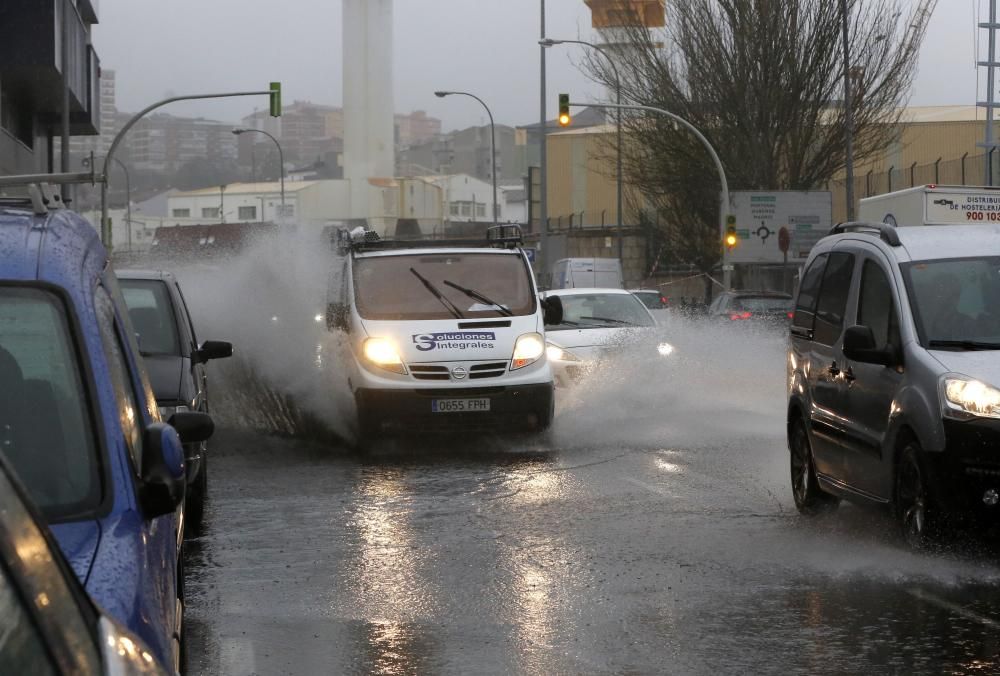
x=964, y=398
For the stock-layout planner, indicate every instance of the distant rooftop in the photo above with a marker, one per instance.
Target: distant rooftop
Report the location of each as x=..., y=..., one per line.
x=247, y=188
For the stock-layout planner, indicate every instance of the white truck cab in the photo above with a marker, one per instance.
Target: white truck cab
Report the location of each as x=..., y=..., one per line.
x=933, y=205
x=443, y=333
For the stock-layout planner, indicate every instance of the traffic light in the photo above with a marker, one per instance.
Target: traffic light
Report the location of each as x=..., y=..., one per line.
x=564, y=116
x=275, y=99
x=731, y=238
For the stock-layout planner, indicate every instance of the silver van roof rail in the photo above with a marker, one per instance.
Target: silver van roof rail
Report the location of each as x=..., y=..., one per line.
x=886, y=232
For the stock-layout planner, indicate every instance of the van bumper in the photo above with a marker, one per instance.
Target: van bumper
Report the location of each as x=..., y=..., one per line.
x=514, y=408
x=960, y=476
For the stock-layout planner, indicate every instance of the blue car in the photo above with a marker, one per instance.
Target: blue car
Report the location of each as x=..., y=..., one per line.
x=80, y=426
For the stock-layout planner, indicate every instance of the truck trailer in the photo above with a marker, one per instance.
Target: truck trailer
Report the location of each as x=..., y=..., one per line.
x=933, y=205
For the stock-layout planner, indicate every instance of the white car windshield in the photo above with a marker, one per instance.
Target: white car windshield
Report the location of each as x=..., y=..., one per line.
x=600, y=311
x=443, y=286
x=956, y=302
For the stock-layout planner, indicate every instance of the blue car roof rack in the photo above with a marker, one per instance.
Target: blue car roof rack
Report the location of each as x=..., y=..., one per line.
x=886, y=232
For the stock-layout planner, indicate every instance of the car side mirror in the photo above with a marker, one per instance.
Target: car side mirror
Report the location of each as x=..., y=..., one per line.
x=193, y=427
x=213, y=349
x=162, y=473
x=860, y=346
x=337, y=316
x=552, y=310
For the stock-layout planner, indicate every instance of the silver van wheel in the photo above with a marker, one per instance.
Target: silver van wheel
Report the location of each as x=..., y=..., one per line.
x=912, y=505
x=809, y=497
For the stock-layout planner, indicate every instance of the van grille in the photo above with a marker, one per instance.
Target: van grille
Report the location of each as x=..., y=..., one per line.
x=491, y=370
x=429, y=372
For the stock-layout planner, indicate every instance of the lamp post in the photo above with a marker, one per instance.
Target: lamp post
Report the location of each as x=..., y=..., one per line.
x=128, y=195
x=493, y=145
x=281, y=160
x=549, y=42
x=848, y=113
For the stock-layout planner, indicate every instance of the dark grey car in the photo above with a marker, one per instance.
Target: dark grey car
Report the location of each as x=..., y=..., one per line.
x=175, y=361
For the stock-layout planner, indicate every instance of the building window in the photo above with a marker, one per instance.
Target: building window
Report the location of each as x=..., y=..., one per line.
x=210, y=212
x=181, y=213
x=287, y=211
x=466, y=208
x=480, y=210
x=248, y=213
x=453, y=209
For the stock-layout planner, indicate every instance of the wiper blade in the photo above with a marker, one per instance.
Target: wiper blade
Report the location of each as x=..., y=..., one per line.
x=455, y=312
x=965, y=344
x=607, y=319
x=475, y=295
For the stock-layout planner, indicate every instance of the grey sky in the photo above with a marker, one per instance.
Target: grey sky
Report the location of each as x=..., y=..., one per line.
x=487, y=47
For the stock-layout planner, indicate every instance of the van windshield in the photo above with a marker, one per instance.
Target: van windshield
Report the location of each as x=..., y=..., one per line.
x=956, y=302
x=443, y=286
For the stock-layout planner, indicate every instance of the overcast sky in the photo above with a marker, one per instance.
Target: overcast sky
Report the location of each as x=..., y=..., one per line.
x=484, y=46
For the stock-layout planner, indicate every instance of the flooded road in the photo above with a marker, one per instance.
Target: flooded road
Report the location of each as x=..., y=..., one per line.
x=654, y=533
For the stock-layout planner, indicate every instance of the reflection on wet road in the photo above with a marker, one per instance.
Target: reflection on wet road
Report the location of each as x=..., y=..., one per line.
x=655, y=534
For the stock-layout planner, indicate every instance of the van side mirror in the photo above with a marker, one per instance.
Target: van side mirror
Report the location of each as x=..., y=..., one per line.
x=860, y=346
x=193, y=427
x=337, y=316
x=213, y=349
x=162, y=485
x=552, y=310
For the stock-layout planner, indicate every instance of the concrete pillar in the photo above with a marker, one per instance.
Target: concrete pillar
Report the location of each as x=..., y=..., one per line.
x=369, y=133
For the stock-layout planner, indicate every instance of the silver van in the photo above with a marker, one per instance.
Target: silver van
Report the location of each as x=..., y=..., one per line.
x=892, y=373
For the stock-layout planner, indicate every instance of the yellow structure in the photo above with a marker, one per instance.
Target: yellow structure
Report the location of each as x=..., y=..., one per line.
x=937, y=145
x=623, y=13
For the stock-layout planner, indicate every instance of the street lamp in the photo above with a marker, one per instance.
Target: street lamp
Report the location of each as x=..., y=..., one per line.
x=493, y=144
x=549, y=42
x=848, y=113
x=281, y=160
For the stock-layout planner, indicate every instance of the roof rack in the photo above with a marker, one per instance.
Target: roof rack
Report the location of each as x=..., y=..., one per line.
x=41, y=199
x=358, y=240
x=886, y=232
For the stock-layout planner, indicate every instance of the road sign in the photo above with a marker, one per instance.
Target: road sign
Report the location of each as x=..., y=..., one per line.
x=761, y=216
x=784, y=239
x=531, y=253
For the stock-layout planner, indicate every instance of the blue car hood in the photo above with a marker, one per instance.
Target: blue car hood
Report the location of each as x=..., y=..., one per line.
x=79, y=541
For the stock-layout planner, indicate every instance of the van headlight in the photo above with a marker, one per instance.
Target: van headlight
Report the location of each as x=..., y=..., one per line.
x=556, y=353
x=966, y=398
x=382, y=353
x=527, y=350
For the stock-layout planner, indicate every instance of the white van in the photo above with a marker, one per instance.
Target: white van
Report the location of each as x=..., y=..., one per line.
x=577, y=273
x=443, y=333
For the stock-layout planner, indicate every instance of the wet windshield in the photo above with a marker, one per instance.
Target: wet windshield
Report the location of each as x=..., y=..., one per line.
x=442, y=286
x=600, y=311
x=45, y=431
x=152, y=316
x=956, y=302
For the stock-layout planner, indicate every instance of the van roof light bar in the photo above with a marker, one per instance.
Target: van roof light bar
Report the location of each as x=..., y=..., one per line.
x=886, y=232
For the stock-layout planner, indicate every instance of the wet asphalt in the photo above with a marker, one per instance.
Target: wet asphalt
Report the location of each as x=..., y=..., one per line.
x=653, y=533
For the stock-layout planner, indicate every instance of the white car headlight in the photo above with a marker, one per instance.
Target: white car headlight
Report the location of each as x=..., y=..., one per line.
x=665, y=349
x=965, y=398
x=556, y=353
x=382, y=353
x=527, y=350
x=318, y=318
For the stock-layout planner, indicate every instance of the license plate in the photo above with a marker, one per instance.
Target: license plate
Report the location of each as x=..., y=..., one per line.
x=459, y=405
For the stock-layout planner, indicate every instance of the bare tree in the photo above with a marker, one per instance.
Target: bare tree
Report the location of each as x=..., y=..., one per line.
x=763, y=80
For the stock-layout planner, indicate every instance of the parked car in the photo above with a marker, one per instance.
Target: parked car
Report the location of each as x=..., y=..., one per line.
x=652, y=298
x=68, y=633
x=755, y=307
x=893, y=374
x=80, y=425
x=176, y=363
x=595, y=325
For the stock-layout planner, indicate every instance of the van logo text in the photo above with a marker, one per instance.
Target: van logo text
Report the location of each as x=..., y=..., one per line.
x=456, y=340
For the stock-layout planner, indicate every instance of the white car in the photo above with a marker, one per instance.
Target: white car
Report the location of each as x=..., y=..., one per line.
x=596, y=324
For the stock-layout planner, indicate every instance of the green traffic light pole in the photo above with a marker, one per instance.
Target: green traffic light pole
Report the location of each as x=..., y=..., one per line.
x=724, y=207
x=105, y=222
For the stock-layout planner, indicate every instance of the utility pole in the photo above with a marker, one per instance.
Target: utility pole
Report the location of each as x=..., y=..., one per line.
x=543, y=199
x=990, y=104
